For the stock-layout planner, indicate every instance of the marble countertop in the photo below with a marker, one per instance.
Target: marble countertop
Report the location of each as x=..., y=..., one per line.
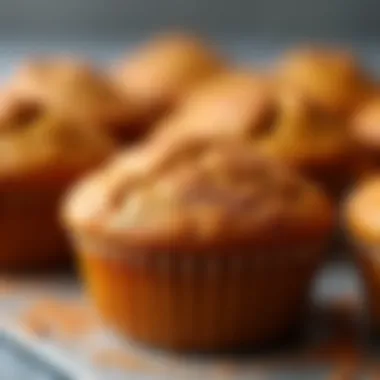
x=95, y=354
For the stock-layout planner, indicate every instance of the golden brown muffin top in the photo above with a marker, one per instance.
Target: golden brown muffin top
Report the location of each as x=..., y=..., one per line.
x=332, y=78
x=363, y=211
x=301, y=133
x=230, y=104
x=35, y=142
x=366, y=124
x=282, y=121
x=75, y=89
x=161, y=71
x=204, y=195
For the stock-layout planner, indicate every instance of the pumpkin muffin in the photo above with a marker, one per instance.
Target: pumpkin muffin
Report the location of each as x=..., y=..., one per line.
x=41, y=154
x=231, y=104
x=362, y=213
x=78, y=91
x=332, y=78
x=305, y=137
x=280, y=120
x=177, y=245
x=160, y=72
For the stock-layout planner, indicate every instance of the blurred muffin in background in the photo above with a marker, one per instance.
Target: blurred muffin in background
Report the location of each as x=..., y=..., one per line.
x=41, y=154
x=362, y=214
x=227, y=105
x=331, y=78
x=365, y=130
x=79, y=92
x=177, y=245
x=275, y=118
x=160, y=72
x=301, y=134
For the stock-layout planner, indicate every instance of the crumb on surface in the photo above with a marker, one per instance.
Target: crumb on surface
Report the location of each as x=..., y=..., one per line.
x=58, y=319
x=118, y=359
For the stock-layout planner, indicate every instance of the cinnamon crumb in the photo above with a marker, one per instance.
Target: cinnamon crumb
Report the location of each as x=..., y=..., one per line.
x=61, y=320
x=120, y=360
x=7, y=287
x=225, y=370
x=344, y=372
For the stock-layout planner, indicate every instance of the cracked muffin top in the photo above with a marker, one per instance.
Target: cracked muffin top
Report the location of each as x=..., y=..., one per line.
x=160, y=72
x=331, y=78
x=198, y=197
x=78, y=91
x=36, y=143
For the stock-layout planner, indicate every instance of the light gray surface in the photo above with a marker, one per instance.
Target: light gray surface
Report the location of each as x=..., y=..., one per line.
x=336, y=281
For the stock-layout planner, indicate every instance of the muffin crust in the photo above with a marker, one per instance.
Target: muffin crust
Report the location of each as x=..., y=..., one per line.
x=158, y=74
x=176, y=246
x=204, y=195
x=330, y=77
x=41, y=155
x=230, y=104
x=77, y=91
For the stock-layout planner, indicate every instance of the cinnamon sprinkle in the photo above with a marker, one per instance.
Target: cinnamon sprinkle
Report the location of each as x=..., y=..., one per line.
x=59, y=320
x=120, y=360
x=224, y=371
x=7, y=287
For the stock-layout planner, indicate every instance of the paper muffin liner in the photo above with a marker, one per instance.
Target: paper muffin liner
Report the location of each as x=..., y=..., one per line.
x=199, y=302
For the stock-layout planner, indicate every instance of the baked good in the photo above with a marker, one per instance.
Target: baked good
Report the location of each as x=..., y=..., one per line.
x=362, y=213
x=41, y=154
x=331, y=78
x=177, y=245
x=161, y=71
x=230, y=104
x=277, y=119
x=305, y=137
x=365, y=130
x=78, y=91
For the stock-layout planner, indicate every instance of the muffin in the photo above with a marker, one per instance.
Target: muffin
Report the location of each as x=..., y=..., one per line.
x=176, y=246
x=41, y=154
x=332, y=78
x=227, y=105
x=279, y=120
x=78, y=91
x=303, y=136
x=365, y=130
x=160, y=72
x=362, y=218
